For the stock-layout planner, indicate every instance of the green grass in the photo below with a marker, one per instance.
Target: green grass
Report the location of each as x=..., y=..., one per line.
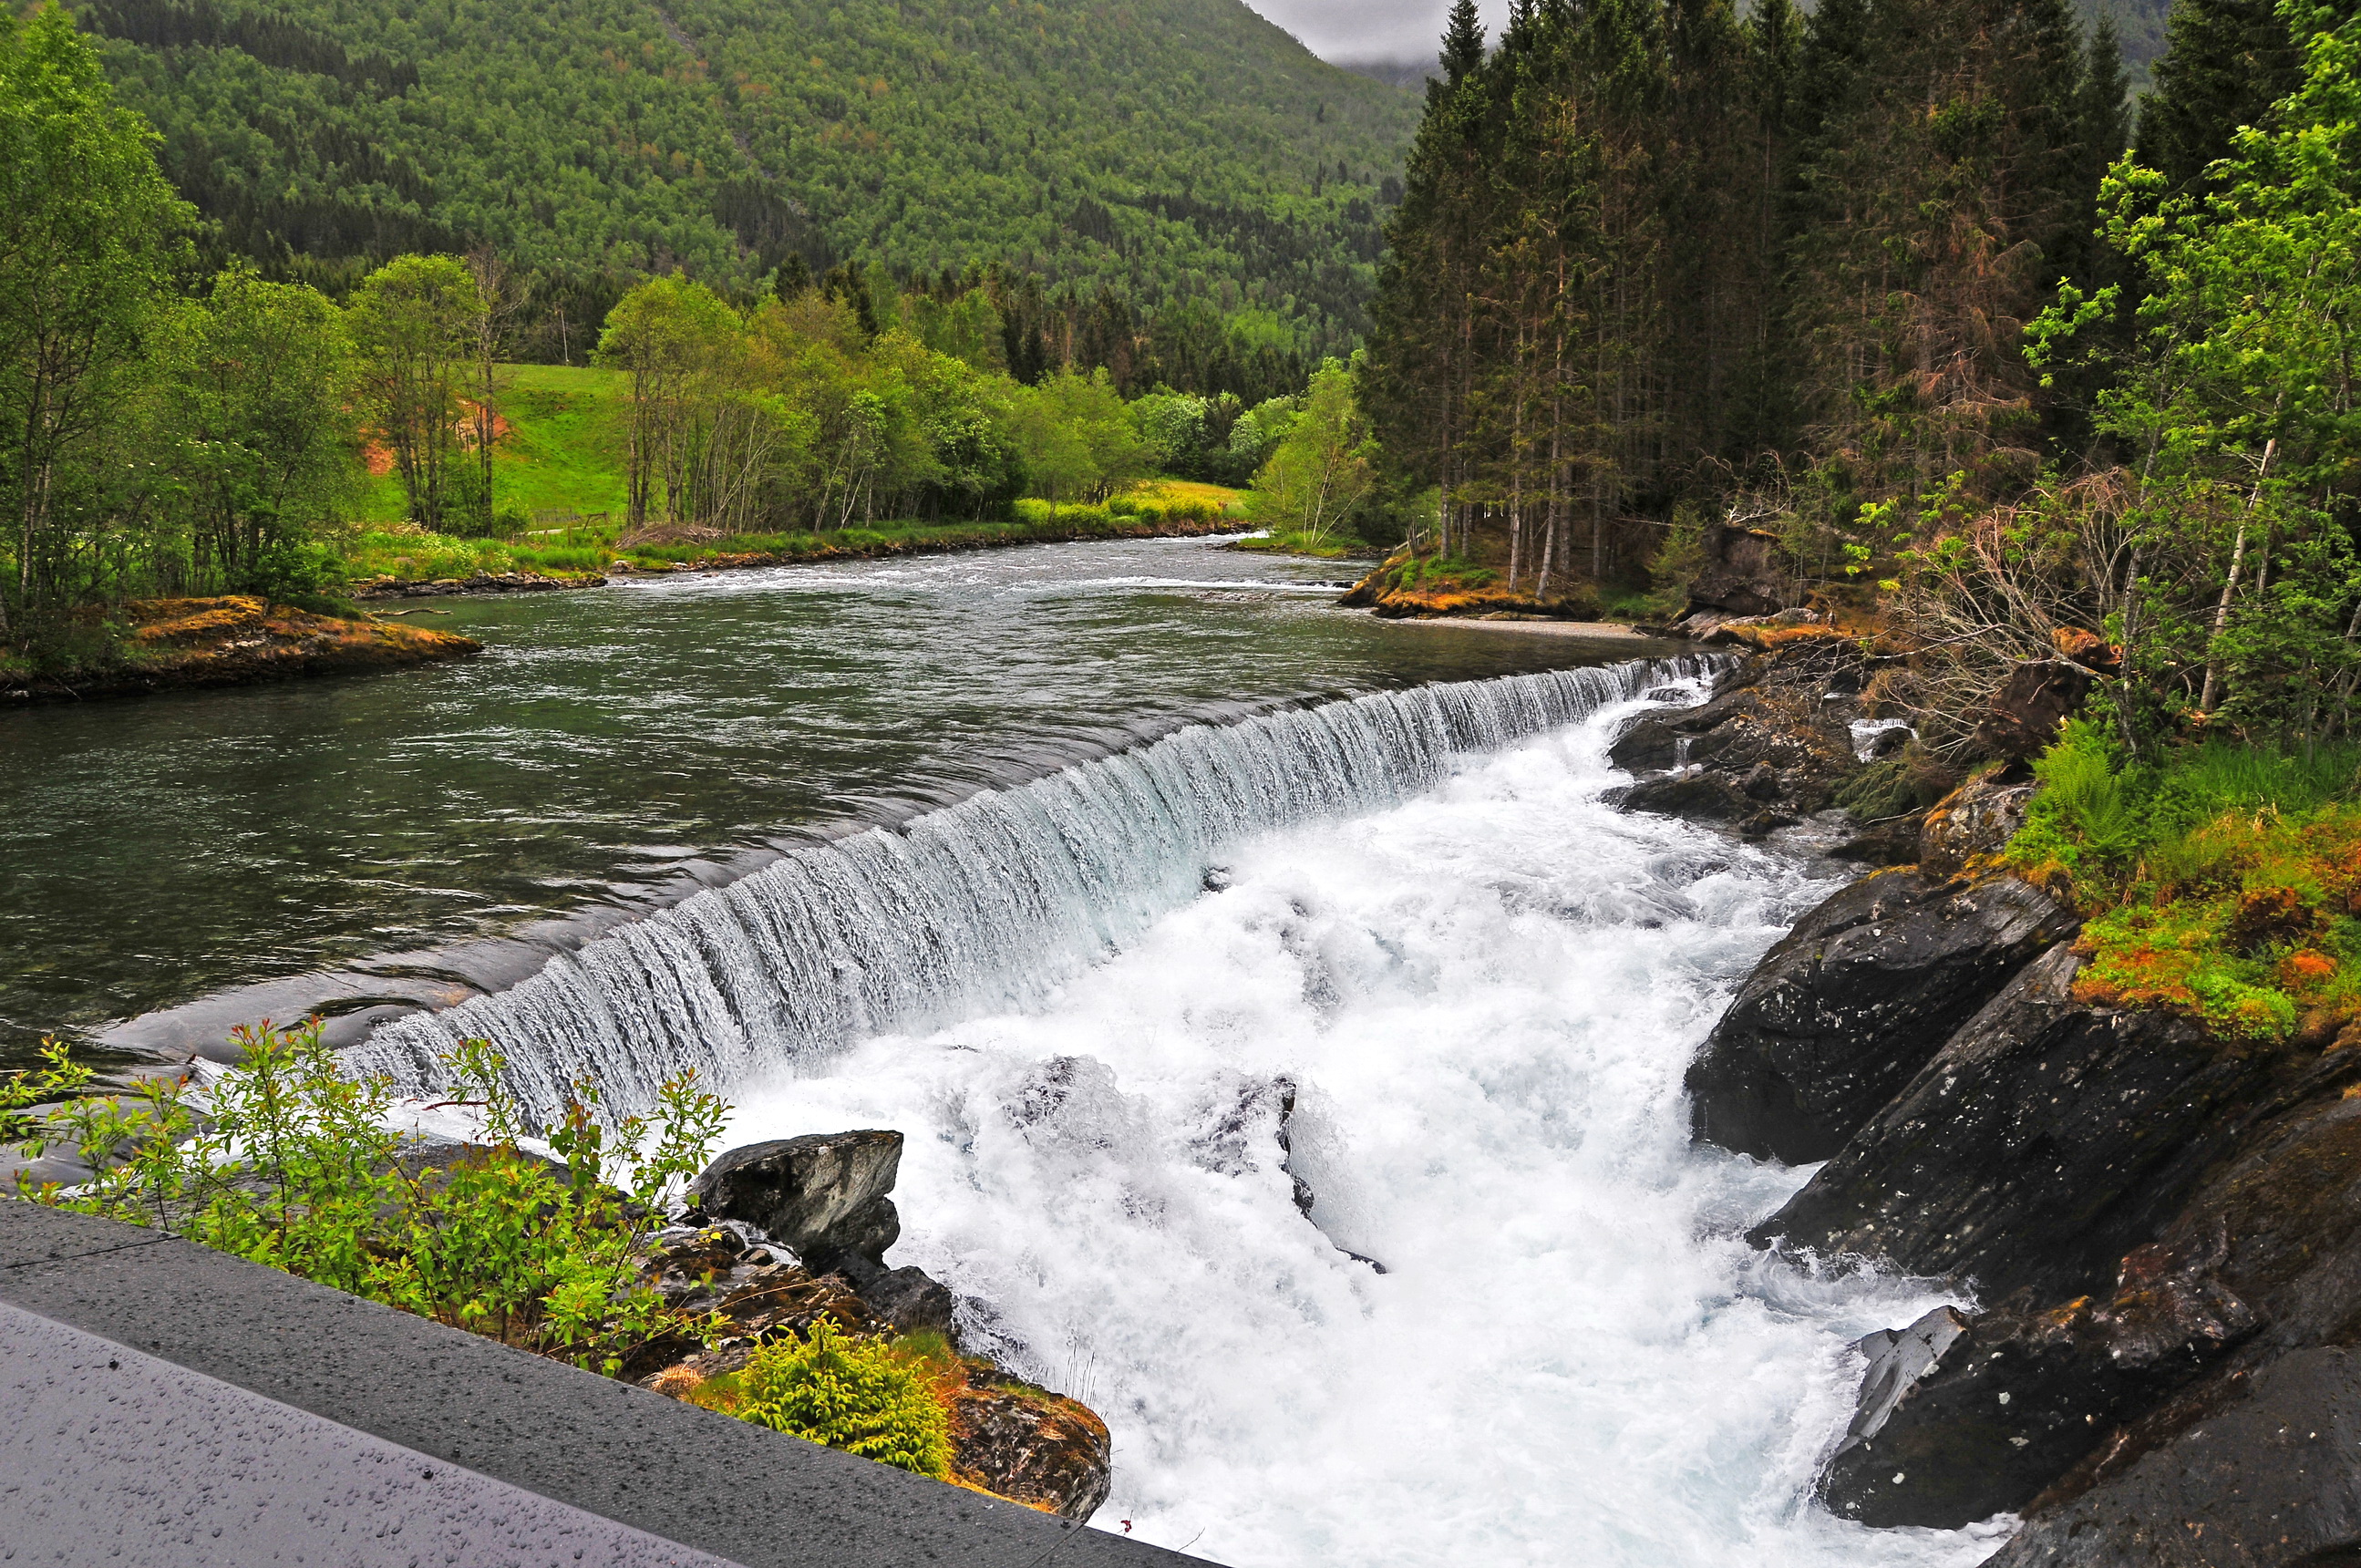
x=558, y=454
x=2221, y=881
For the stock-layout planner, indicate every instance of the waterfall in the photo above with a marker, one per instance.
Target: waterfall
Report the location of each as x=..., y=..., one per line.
x=983, y=905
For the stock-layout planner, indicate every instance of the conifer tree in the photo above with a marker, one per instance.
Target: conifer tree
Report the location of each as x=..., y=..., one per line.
x=2224, y=63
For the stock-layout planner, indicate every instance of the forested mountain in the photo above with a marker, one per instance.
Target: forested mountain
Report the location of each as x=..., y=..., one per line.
x=1163, y=147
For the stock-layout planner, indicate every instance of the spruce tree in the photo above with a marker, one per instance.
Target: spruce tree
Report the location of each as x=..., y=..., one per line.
x=1463, y=42
x=2225, y=62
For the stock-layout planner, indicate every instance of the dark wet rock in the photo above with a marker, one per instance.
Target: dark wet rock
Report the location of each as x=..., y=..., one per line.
x=1040, y=1449
x=1840, y=1017
x=1881, y=844
x=2045, y=1140
x=1250, y=1117
x=2272, y=1476
x=1686, y=794
x=910, y=1299
x=1964, y=1417
x=1974, y=819
x=2038, y=695
x=1743, y=574
x=823, y=1194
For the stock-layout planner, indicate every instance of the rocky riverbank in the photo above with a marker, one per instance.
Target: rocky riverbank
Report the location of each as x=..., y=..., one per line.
x=784, y=1233
x=234, y=640
x=2161, y=1229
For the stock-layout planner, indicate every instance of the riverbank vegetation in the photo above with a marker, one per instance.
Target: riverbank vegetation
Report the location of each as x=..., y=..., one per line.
x=181, y=430
x=1973, y=377
x=288, y=1160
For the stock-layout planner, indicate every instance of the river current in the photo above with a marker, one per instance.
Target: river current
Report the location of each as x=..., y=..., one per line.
x=1091, y=959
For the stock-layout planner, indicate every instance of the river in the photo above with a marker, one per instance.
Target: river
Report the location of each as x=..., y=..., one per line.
x=1173, y=839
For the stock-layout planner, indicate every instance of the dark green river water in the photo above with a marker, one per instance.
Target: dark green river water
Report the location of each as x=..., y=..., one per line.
x=609, y=744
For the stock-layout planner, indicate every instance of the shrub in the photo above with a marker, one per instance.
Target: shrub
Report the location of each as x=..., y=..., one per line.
x=287, y=1160
x=2219, y=882
x=864, y=1397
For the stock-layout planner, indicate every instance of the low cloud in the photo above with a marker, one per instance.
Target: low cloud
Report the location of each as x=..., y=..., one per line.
x=1369, y=30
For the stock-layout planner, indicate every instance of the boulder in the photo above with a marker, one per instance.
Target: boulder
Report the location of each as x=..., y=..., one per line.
x=2038, y=695
x=1688, y=794
x=1040, y=1449
x=911, y=1301
x=2271, y=1476
x=2044, y=1141
x=823, y=1194
x=1840, y=1017
x=1974, y=819
x=1743, y=574
x=1961, y=1418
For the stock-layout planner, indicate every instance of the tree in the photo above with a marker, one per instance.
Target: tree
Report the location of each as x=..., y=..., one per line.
x=88, y=232
x=2235, y=405
x=1320, y=471
x=670, y=335
x=1077, y=439
x=257, y=380
x=414, y=326
x=2224, y=63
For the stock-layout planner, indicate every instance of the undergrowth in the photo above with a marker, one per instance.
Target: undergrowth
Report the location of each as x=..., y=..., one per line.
x=286, y=1160
x=866, y=1397
x=2221, y=881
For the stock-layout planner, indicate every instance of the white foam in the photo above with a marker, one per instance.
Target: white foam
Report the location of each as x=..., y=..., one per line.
x=1488, y=996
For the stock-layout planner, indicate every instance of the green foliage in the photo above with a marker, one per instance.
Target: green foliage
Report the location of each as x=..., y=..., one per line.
x=1318, y=472
x=286, y=1160
x=1170, y=146
x=2218, y=881
x=88, y=236
x=1910, y=780
x=2233, y=399
x=864, y=1397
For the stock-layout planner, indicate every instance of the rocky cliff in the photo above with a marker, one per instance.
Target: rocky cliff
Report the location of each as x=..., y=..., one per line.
x=2161, y=1229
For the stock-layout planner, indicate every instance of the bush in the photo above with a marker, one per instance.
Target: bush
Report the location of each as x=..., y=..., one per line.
x=864, y=1397
x=2219, y=882
x=284, y=1160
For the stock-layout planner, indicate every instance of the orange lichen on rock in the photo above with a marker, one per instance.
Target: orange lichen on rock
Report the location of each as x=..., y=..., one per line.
x=235, y=638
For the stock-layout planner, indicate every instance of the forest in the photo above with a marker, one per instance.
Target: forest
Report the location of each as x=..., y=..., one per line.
x=1149, y=153
x=1899, y=284
x=176, y=428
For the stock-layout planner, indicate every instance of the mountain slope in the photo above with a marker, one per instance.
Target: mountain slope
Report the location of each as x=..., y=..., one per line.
x=1172, y=145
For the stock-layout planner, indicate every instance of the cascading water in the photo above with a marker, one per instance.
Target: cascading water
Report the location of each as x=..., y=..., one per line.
x=1481, y=985
x=977, y=905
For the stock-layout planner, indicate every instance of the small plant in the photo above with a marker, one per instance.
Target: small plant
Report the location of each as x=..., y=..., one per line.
x=866, y=1397
x=2219, y=882
x=285, y=1159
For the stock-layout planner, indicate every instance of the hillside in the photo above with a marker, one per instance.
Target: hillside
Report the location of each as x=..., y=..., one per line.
x=1163, y=146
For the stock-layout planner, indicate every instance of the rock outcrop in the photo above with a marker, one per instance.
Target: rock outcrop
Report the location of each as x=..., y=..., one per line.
x=1765, y=749
x=1030, y=1446
x=2042, y=1143
x=785, y=1232
x=239, y=640
x=1966, y=1416
x=1742, y=574
x=1840, y=1015
x=2271, y=1476
x=1974, y=820
x=2038, y=697
x=824, y=1195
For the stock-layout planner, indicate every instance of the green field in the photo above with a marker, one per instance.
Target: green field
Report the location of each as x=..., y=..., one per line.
x=556, y=460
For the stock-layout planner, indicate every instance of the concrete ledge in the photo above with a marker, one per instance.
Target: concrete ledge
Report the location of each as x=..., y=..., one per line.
x=109, y=1455
x=602, y=1448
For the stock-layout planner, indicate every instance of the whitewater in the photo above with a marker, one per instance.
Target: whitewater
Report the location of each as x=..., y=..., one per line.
x=1518, y=1325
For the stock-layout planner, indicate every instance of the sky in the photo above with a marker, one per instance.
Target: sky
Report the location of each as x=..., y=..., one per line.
x=1368, y=29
